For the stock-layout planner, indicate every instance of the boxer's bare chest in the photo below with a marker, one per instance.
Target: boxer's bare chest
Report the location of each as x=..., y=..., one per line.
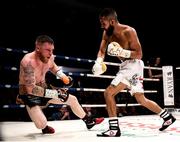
x=40, y=70
x=121, y=39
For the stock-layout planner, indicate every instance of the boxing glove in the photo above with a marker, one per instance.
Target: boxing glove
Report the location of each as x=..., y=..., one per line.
x=99, y=67
x=114, y=49
x=67, y=80
x=57, y=94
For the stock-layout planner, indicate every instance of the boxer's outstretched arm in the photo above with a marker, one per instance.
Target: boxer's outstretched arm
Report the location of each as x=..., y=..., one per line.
x=59, y=73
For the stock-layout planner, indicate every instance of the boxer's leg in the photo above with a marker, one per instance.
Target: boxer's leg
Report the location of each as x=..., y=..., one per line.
x=73, y=103
x=154, y=107
x=78, y=111
x=109, y=94
x=39, y=119
x=168, y=119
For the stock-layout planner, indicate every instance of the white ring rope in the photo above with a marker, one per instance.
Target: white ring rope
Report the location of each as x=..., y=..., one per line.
x=76, y=59
x=78, y=89
x=89, y=75
x=102, y=90
x=104, y=105
x=153, y=68
x=107, y=76
x=64, y=105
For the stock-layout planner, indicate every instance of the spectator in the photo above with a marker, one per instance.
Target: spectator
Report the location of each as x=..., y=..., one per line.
x=155, y=73
x=62, y=114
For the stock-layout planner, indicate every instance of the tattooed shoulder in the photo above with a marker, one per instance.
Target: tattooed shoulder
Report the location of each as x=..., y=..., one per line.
x=28, y=73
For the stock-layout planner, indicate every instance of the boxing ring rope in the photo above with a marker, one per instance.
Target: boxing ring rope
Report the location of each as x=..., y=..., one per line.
x=85, y=75
x=62, y=105
x=76, y=89
x=12, y=68
x=73, y=58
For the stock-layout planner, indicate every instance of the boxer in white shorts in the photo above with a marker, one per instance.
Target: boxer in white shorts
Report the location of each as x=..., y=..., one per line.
x=131, y=74
x=122, y=41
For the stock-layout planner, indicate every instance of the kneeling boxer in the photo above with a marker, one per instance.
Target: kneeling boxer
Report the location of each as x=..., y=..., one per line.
x=33, y=90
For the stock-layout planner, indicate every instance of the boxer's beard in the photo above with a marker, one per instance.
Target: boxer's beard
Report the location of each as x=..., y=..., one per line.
x=110, y=30
x=43, y=59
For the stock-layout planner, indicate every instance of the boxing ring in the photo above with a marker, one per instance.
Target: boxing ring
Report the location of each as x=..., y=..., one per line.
x=140, y=127
x=132, y=128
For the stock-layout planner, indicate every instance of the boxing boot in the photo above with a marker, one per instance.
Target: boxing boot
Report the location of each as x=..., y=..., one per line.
x=48, y=130
x=113, y=131
x=167, y=122
x=90, y=122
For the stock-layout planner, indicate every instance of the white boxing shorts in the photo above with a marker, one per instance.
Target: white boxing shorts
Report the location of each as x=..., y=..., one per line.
x=131, y=73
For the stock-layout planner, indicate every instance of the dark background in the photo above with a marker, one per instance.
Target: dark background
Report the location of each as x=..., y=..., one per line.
x=75, y=28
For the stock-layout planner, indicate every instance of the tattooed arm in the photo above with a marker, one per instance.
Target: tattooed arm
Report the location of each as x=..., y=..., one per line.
x=27, y=79
x=34, y=93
